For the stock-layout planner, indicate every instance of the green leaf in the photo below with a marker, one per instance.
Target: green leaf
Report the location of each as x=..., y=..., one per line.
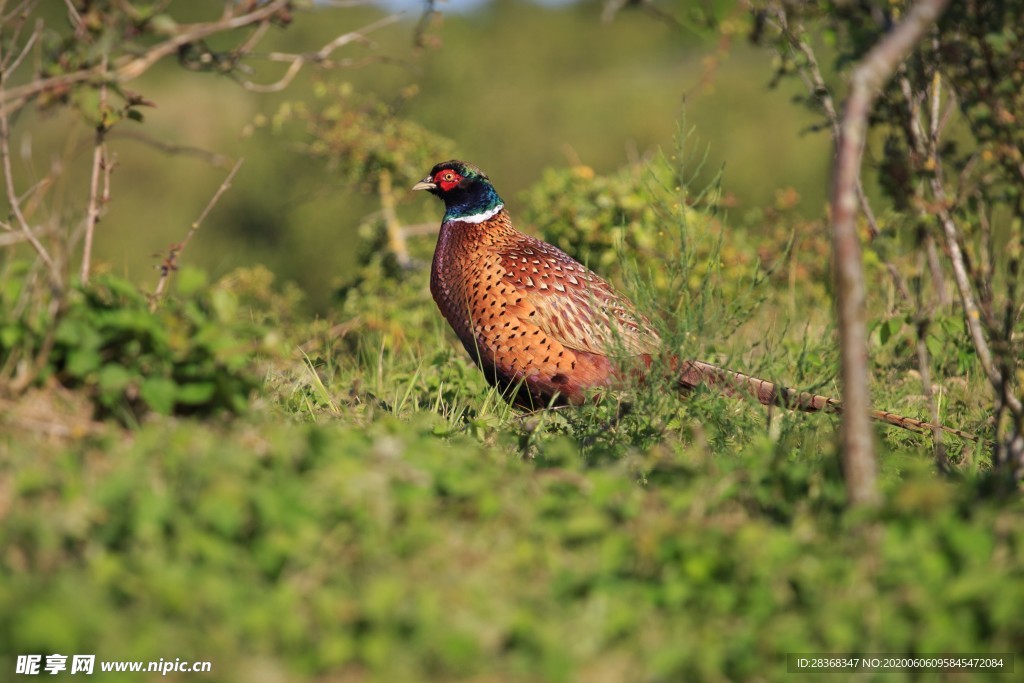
x=118, y=287
x=225, y=305
x=10, y=335
x=159, y=394
x=163, y=24
x=195, y=393
x=84, y=361
x=885, y=332
x=113, y=378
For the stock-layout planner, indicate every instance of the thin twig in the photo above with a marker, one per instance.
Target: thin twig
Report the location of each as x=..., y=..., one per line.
x=420, y=229
x=170, y=264
x=927, y=148
x=12, y=238
x=76, y=18
x=815, y=82
x=924, y=318
x=12, y=194
x=971, y=311
x=128, y=67
x=988, y=261
x=935, y=268
x=13, y=66
x=212, y=158
x=321, y=56
x=419, y=34
x=99, y=161
x=16, y=20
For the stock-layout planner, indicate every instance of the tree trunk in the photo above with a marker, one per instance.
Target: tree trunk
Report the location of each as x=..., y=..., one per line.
x=877, y=67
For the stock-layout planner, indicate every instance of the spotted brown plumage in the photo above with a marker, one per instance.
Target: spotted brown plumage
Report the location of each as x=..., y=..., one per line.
x=546, y=329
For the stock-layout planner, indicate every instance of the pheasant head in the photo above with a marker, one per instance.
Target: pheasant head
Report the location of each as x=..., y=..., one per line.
x=466, y=191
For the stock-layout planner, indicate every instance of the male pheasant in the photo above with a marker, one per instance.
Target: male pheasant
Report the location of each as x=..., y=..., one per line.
x=547, y=330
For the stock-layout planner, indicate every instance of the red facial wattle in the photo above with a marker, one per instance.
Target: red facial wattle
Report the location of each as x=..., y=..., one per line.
x=446, y=180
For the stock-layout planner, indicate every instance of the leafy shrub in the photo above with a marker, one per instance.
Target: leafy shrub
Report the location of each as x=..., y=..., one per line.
x=194, y=354
x=596, y=218
x=382, y=552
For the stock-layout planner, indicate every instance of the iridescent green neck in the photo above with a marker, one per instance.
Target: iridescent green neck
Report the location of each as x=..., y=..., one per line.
x=475, y=204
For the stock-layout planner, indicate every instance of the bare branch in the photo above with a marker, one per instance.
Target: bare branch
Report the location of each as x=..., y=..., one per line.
x=170, y=264
x=210, y=157
x=76, y=18
x=321, y=56
x=927, y=148
x=396, y=237
x=99, y=164
x=613, y=7
x=815, y=83
x=12, y=194
x=17, y=19
x=419, y=34
x=963, y=284
x=38, y=31
x=868, y=77
x=420, y=229
x=12, y=238
x=129, y=67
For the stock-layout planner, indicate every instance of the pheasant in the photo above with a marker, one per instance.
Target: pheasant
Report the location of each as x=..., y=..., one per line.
x=547, y=330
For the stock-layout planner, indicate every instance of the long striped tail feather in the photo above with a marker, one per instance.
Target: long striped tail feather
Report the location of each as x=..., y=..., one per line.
x=692, y=373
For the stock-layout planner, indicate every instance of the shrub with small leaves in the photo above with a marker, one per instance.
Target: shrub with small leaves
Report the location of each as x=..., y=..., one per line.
x=196, y=354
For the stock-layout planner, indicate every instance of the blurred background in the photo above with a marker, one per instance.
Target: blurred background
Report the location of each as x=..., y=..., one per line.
x=515, y=86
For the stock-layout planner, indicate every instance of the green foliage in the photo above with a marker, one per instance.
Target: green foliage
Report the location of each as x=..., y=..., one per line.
x=944, y=336
x=195, y=354
x=598, y=217
x=385, y=553
x=644, y=221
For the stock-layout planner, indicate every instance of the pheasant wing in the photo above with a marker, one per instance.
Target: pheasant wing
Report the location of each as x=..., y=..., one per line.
x=573, y=304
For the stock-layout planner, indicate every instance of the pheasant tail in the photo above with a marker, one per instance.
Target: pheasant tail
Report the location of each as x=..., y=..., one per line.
x=735, y=384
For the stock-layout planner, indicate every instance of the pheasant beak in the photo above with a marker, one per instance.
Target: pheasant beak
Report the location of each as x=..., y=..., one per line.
x=425, y=184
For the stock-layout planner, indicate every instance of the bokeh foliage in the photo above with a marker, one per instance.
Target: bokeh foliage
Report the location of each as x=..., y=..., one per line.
x=381, y=552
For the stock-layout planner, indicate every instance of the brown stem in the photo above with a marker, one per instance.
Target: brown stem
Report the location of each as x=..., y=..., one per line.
x=924, y=317
x=396, y=237
x=967, y=302
x=99, y=162
x=12, y=194
x=170, y=264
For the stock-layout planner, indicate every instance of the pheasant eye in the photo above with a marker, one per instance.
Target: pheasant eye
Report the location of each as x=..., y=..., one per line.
x=448, y=177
